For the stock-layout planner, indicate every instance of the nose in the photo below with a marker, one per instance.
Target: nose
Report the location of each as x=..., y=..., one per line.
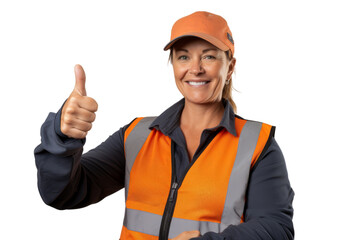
x=196, y=67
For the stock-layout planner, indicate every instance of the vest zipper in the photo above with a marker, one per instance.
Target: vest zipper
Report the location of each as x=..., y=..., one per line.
x=171, y=201
x=172, y=192
x=168, y=213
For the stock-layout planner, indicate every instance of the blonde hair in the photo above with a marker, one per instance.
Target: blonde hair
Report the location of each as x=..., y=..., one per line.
x=227, y=90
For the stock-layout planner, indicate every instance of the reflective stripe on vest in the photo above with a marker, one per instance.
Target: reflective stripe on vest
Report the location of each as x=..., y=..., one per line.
x=133, y=144
x=203, y=203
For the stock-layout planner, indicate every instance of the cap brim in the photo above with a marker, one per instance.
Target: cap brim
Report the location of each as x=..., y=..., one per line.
x=214, y=41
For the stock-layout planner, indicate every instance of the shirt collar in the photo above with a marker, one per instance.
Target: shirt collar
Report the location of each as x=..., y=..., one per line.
x=170, y=118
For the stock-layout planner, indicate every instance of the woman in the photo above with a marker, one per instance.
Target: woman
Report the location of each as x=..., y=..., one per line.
x=197, y=171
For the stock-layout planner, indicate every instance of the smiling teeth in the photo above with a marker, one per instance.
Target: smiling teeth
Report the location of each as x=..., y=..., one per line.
x=197, y=83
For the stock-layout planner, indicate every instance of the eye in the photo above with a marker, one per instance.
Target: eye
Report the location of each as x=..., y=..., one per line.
x=183, y=57
x=210, y=57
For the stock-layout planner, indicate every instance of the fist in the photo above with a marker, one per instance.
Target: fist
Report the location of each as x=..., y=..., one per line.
x=78, y=112
x=187, y=235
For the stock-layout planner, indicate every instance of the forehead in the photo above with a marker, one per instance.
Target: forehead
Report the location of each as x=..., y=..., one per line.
x=193, y=43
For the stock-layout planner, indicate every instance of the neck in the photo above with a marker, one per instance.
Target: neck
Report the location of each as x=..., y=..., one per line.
x=201, y=116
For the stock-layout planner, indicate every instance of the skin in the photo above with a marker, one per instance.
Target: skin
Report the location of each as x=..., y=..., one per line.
x=78, y=112
x=187, y=235
x=196, y=60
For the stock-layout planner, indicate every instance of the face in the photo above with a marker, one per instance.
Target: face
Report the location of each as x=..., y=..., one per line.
x=200, y=70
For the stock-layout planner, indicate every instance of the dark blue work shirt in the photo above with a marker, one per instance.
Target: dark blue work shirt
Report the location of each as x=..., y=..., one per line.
x=68, y=179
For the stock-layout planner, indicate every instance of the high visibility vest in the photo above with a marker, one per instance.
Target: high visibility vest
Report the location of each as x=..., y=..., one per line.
x=210, y=197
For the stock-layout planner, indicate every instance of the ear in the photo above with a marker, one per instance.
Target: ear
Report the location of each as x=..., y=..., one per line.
x=231, y=68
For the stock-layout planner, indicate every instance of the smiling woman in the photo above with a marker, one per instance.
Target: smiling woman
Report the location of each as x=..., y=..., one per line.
x=227, y=89
x=197, y=171
x=201, y=70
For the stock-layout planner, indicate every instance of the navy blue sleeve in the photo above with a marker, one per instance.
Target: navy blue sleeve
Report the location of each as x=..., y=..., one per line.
x=67, y=178
x=268, y=211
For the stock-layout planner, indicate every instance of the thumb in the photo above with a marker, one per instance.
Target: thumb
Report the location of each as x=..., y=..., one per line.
x=80, y=80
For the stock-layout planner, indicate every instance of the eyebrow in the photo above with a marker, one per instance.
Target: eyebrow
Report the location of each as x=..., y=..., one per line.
x=210, y=49
x=181, y=49
x=205, y=50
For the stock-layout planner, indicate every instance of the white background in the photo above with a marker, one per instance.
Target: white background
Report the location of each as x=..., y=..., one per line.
x=297, y=68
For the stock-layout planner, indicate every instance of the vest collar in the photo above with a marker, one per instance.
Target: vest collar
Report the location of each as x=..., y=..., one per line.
x=169, y=120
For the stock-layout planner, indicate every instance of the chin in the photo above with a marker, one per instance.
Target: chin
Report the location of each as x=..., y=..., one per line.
x=201, y=100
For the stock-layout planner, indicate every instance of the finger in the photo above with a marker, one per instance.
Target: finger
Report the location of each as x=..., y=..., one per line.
x=84, y=115
x=187, y=235
x=75, y=133
x=81, y=125
x=71, y=122
x=89, y=104
x=80, y=80
x=74, y=111
x=192, y=234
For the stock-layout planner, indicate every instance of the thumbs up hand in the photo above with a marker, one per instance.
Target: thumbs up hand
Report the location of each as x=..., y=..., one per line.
x=78, y=112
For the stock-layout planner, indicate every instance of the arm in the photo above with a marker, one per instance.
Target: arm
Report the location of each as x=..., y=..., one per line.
x=68, y=179
x=268, y=210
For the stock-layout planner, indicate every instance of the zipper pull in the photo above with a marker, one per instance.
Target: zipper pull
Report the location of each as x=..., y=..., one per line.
x=172, y=191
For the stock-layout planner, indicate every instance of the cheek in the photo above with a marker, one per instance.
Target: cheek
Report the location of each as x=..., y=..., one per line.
x=179, y=72
x=223, y=73
x=219, y=88
x=220, y=74
x=178, y=75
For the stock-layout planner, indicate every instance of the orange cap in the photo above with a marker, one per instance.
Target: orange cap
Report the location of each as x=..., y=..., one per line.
x=208, y=26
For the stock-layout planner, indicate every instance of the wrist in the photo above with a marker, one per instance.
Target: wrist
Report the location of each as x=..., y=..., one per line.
x=57, y=124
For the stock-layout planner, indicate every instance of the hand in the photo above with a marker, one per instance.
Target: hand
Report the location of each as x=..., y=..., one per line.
x=78, y=112
x=187, y=235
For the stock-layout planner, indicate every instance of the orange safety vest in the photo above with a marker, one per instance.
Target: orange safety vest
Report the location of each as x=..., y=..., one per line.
x=212, y=194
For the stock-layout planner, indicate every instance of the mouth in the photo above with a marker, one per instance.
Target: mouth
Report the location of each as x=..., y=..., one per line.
x=197, y=83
